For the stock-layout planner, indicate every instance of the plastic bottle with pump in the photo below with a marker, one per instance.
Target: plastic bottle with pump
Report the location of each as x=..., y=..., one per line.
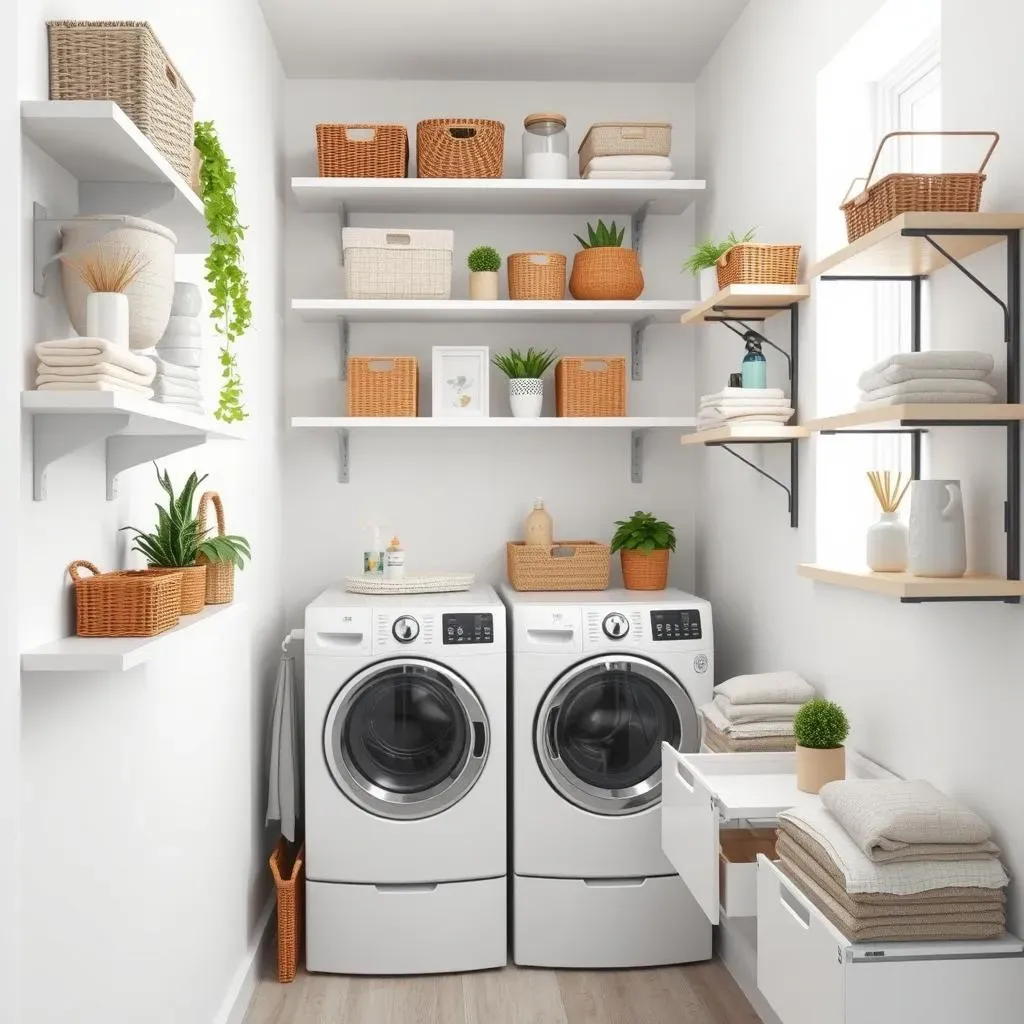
x=394, y=560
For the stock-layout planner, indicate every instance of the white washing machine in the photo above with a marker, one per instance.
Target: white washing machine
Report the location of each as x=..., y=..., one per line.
x=598, y=682
x=405, y=795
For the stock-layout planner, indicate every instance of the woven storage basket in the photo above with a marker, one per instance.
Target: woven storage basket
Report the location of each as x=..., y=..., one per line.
x=289, y=883
x=536, y=275
x=383, y=386
x=566, y=565
x=193, y=586
x=751, y=263
x=644, y=570
x=123, y=61
x=625, y=138
x=460, y=147
x=913, y=193
x=362, y=150
x=124, y=603
x=383, y=263
x=606, y=273
x=590, y=386
x=220, y=576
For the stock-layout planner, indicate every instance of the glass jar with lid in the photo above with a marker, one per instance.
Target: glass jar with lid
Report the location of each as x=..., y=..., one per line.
x=545, y=146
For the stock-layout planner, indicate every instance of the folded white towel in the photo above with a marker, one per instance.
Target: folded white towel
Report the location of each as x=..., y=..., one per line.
x=590, y=175
x=742, y=393
x=105, y=369
x=925, y=398
x=86, y=351
x=106, y=384
x=745, y=730
x=937, y=384
x=929, y=365
x=750, y=412
x=753, y=402
x=177, y=388
x=755, y=712
x=767, y=688
x=629, y=162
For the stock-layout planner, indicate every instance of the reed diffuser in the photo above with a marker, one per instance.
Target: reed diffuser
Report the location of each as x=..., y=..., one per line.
x=108, y=272
x=887, y=539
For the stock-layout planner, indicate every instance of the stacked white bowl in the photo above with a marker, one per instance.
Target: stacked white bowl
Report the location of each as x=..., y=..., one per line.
x=182, y=342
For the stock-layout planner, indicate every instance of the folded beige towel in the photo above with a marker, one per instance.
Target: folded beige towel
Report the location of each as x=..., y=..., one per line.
x=767, y=688
x=90, y=382
x=755, y=712
x=86, y=351
x=719, y=743
x=745, y=730
x=909, y=366
x=85, y=371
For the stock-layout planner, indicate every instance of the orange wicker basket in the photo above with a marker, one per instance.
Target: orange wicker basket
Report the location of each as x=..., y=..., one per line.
x=590, y=386
x=290, y=892
x=383, y=386
x=460, y=147
x=566, y=565
x=645, y=570
x=124, y=603
x=362, y=150
x=913, y=193
x=606, y=273
x=751, y=263
x=536, y=275
x=220, y=576
x=193, y=586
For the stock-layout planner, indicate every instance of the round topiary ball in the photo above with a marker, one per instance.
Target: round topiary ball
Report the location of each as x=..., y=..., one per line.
x=821, y=725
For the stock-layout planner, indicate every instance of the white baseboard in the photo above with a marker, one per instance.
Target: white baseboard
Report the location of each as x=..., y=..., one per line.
x=243, y=985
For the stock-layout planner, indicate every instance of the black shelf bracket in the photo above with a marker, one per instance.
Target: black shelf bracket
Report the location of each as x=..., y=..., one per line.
x=791, y=492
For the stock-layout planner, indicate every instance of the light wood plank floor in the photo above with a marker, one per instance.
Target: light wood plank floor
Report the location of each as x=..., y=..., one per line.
x=697, y=994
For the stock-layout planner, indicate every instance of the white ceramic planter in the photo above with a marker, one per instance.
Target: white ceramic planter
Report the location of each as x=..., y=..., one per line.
x=106, y=316
x=887, y=544
x=937, y=541
x=526, y=396
x=187, y=300
x=483, y=284
x=708, y=283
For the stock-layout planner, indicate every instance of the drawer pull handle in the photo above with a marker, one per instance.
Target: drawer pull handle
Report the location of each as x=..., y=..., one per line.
x=795, y=906
x=424, y=887
x=614, y=883
x=684, y=776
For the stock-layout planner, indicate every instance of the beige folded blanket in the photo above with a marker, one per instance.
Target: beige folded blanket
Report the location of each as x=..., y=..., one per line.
x=894, y=820
x=85, y=351
x=745, y=730
x=719, y=743
x=61, y=371
x=767, y=688
x=755, y=712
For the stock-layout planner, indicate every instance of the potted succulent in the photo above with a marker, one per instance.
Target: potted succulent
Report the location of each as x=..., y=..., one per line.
x=821, y=728
x=603, y=269
x=703, y=261
x=525, y=386
x=484, y=263
x=644, y=543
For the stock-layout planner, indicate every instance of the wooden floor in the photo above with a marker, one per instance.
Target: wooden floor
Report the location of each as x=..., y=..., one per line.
x=697, y=994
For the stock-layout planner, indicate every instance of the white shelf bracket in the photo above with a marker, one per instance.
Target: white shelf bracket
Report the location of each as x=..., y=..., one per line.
x=343, y=349
x=125, y=451
x=636, y=226
x=636, y=348
x=636, y=456
x=343, y=456
x=55, y=436
x=45, y=246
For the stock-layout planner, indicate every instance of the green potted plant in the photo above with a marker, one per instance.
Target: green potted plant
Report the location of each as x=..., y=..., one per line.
x=484, y=263
x=644, y=543
x=821, y=728
x=525, y=371
x=603, y=269
x=703, y=261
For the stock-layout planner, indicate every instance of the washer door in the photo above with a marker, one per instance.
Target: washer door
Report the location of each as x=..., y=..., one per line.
x=600, y=729
x=406, y=738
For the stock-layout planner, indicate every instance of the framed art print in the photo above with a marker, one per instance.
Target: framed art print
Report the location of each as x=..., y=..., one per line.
x=460, y=381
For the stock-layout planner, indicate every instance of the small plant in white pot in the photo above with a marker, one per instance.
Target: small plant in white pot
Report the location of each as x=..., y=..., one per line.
x=484, y=263
x=703, y=261
x=821, y=728
x=525, y=371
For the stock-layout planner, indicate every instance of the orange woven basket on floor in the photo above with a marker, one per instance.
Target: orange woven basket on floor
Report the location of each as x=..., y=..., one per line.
x=460, y=147
x=383, y=386
x=220, y=576
x=536, y=275
x=124, y=603
x=590, y=386
x=362, y=150
x=288, y=882
x=752, y=263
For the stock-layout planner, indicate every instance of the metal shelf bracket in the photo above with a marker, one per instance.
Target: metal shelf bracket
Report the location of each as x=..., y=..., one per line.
x=636, y=348
x=636, y=227
x=791, y=491
x=636, y=456
x=343, y=349
x=343, y=457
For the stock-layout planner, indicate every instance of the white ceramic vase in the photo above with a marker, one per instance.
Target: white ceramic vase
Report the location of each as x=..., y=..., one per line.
x=187, y=299
x=938, y=541
x=707, y=281
x=106, y=316
x=483, y=284
x=887, y=544
x=526, y=396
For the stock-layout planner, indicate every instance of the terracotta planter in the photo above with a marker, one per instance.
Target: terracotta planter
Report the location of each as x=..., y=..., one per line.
x=816, y=767
x=193, y=587
x=606, y=273
x=645, y=570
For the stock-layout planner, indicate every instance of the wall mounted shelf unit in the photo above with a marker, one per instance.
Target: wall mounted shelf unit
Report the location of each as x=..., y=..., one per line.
x=918, y=589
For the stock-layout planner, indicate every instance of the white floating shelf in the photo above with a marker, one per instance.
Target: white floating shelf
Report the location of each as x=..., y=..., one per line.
x=746, y=433
x=746, y=301
x=136, y=430
x=115, y=654
x=916, y=588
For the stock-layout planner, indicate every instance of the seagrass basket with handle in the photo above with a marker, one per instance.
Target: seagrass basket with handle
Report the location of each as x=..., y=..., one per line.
x=220, y=576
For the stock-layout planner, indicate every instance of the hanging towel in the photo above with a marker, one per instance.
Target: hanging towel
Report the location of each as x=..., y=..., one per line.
x=915, y=365
x=61, y=372
x=767, y=688
x=283, y=794
x=87, y=351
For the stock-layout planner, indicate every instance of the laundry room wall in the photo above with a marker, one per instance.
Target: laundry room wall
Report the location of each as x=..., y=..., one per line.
x=454, y=498
x=933, y=691
x=143, y=793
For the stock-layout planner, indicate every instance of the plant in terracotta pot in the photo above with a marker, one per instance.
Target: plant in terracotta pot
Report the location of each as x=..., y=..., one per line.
x=484, y=263
x=821, y=728
x=603, y=269
x=525, y=371
x=644, y=543
x=703, y=261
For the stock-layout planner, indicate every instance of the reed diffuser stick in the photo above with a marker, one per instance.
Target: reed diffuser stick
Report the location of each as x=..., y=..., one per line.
x=889, y=492
x=106, y=269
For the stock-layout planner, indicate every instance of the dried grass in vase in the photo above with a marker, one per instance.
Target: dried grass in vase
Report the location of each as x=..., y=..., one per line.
x=887, y=539
x=889, y=492
x=106, y=269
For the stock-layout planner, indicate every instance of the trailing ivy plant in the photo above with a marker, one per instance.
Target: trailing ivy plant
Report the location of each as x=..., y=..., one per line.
x=225, y=272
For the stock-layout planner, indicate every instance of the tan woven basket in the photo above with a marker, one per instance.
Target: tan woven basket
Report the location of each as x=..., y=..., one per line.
x=383, y=386
x=536, y=275
x=124, y=603
x=193, y=586
x=566, y=565
x=625, y=138
x=362, y=150
x=752, y=263
x=606, y=273
x=645, y=570
x=460, y=147
x=590, y=386
x=289, y=883
x=220, y=576
x=913, y=193
x=123, y=61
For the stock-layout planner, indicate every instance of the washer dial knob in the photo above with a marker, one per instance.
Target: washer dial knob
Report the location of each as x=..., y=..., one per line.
x=405, y=629
x=615, y=626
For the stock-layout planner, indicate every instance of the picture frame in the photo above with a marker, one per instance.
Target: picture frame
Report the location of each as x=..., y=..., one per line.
x=460, y=381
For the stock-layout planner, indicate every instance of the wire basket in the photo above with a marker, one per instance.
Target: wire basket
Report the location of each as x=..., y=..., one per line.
x=753, y=263
x=383, y=386
x=362, y=150
x=124, y=603
x=566, y=565
x=536, y=275
x=590, y=386
x=460, y=147
x=220, y=576
x=289, y=884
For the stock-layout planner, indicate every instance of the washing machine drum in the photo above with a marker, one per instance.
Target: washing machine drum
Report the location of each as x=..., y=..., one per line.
x=406, y=738
x=600, y=728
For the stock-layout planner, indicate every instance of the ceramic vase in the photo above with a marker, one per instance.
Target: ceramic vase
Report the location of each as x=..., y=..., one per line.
x=816, y=767
x=708, y=283
x=887, y=544
x=483, y=284
x=106, y=316
x=937, y=537
x=526, y=396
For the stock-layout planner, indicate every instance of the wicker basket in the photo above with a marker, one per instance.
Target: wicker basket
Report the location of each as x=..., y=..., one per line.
x=751, y=263
x=913, y=193
x=590, y=386
x=220, y=576
x=606, y=273
x=645, y=570
x=625, y=138
x=362, y=150
x=193, y=586
x=536, y=275
x=124, y=603
x=566, y=565
x=389, y=264
x=460, y=147
x=123, y=61
x=383, y=386
x=290, y=886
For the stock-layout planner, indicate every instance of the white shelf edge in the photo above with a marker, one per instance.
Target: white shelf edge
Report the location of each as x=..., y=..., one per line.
x=493, y=422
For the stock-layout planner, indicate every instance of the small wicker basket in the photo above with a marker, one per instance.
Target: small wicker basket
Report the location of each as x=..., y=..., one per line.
x=362, y=150
x=536, y=275
x=566, y=565
x=193, y=586
x=460, y=147
x=220, y=576
x=124, y=603
x=289, y=883
x=644, y=570
x=590, y=386
x=383, y=386
x=752, y=263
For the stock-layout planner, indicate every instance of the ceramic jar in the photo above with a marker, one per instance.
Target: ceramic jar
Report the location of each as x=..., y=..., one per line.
x=937, y=536
x=887, y=544
x=526, y=396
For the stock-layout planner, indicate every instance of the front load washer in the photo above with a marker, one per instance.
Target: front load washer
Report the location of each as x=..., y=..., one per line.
x=405, y=798
x=598, y=682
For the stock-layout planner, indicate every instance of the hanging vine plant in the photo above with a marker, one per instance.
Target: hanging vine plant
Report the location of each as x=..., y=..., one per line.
x=225, y=270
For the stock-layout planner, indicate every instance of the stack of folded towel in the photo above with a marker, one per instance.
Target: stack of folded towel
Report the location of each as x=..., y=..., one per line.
x=92, y=364
x=177, y=385
x=632, y=167
x=755, y=712
x=746, y=405
x=891, y=860
x=925, y=377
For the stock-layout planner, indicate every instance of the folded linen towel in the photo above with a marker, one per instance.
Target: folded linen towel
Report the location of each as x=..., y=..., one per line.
x=109, y=384
x=717, y=742
x=755, y=712
x=177, y=388
x=87, y=351
x=107, y=369
x=951, y=384
x=708, y=417
x=741, y=393
x=908, y=366
x=924, y=398
x=745, y=730
x=747, y=412
x=629, y=162
x=751, y=402
x=767, y=688
x=591, y=175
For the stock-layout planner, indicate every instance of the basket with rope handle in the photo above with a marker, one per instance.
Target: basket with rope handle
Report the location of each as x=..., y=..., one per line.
x=137, y=603
x=220, y=576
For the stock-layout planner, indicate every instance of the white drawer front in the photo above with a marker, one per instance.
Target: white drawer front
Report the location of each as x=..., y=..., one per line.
x=737, y=868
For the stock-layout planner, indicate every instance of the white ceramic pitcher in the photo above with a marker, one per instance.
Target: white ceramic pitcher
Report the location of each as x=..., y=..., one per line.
x=938, y=543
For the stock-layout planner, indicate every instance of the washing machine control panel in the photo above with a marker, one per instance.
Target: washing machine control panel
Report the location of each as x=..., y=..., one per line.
x=467, y=628
x=675, y=624
x=615, y=625
x=405, y=629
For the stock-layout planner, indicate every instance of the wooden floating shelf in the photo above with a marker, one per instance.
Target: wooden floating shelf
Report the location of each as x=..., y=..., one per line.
x=757, y=302
x=907, y=587
x=900, y=415
x=494, y=422
x=885, y=252
x=752, y=433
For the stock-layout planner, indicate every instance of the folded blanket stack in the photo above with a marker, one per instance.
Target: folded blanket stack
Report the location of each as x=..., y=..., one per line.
x=631, y=167
x=888, y=860
x=177, y=385
x=91, y=364
x=743, y=405
x=910, y=378
x=754, y=712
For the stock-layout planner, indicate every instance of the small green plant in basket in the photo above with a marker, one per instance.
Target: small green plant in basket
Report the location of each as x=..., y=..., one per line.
x=708, y=252
x=821, y=728
x=603, y=269
x=644, y=543
x=603, y=236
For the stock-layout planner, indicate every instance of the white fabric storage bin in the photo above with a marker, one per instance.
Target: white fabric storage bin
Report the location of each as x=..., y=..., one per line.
x=389, y=263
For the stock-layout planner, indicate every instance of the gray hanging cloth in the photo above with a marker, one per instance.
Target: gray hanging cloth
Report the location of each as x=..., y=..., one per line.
x=284, y=799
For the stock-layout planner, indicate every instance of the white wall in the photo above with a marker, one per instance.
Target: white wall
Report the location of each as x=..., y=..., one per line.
x=933, y=691
x=455, y=499
x=143, y=793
